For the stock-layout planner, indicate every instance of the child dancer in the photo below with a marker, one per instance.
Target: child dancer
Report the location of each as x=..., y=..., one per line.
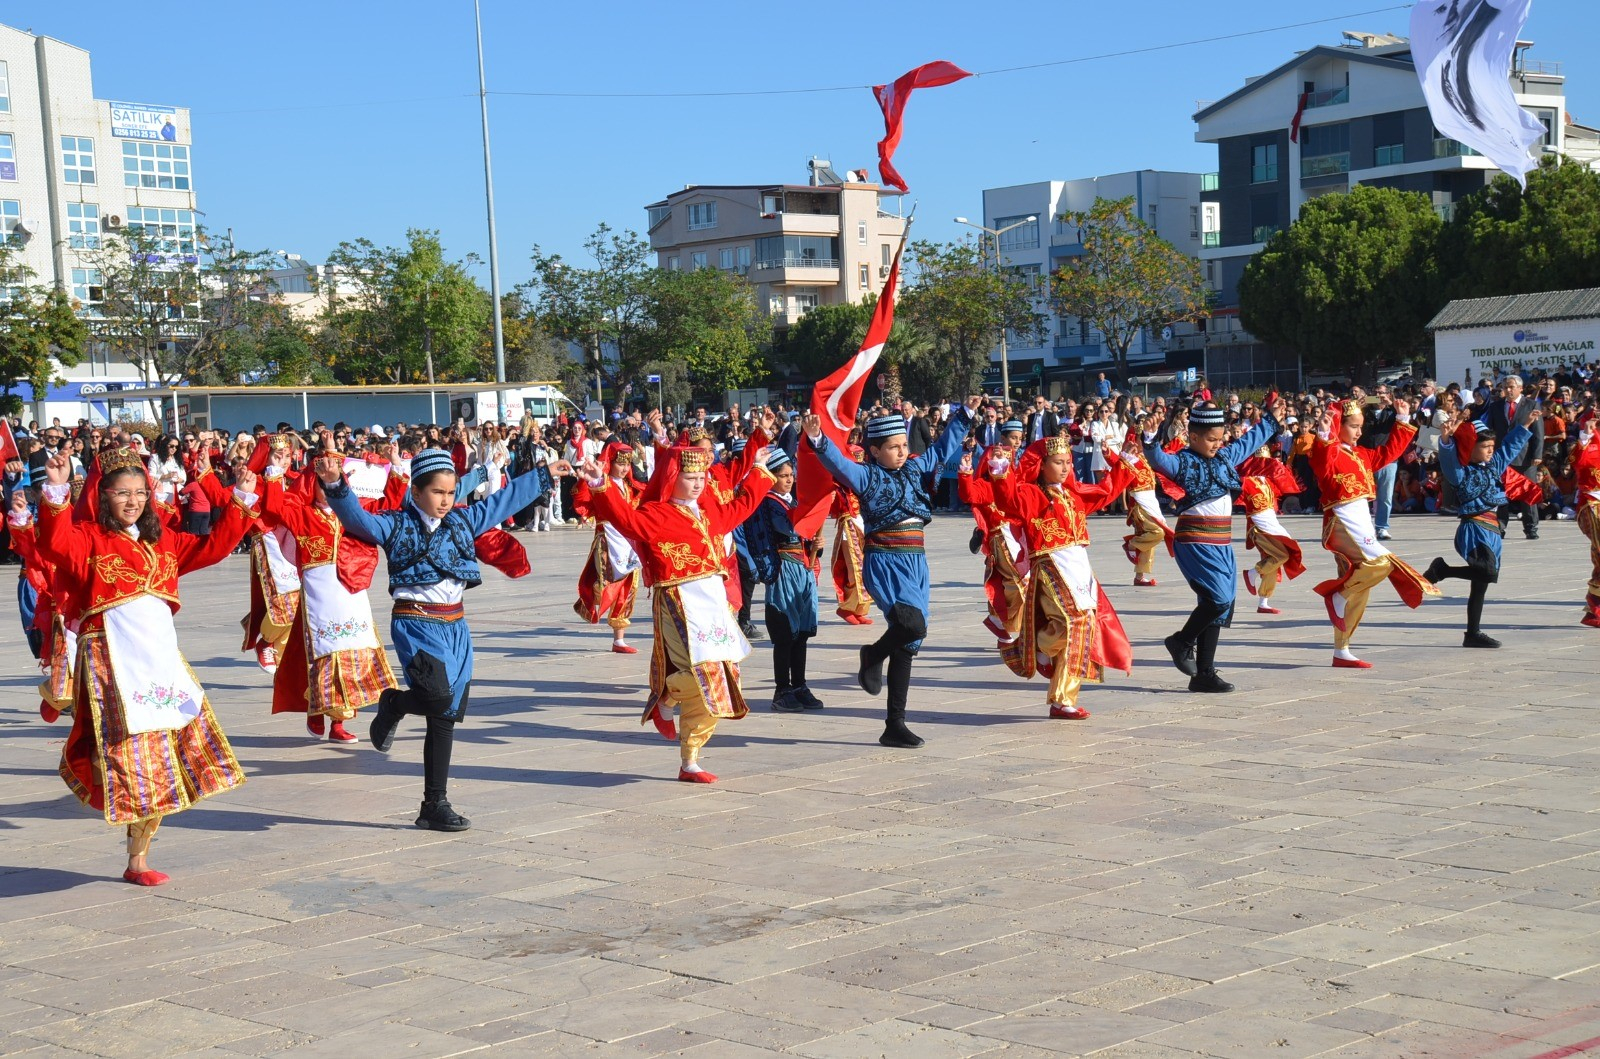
x=1475, y=468
x=274, y=583
x=144, y=743
x=785, y=563
x=430, y=547
x=609, y=583
x=1149, y=525
x=1586, y=476
x=1005, y=561
x=52, y=631
x=1344, y=472
x=1069, y=631
x=895, y=509
x=1207, y=475
x=855, y=603
x=698, y=645
x=1264, y=483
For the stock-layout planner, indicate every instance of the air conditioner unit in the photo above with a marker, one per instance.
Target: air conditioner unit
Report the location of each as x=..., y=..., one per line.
x=883, y=271
x=114, y=221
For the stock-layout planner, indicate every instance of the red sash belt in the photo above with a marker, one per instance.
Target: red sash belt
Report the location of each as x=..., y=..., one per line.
x=1205, y=529
x=444, y=613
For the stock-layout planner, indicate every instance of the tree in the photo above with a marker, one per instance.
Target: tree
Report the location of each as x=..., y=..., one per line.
x=38, y=330
x=604, y=306
x=1349, y=282
x=409, y=305
x=150, y=301
x=1128, y=278
x=829, y=335
x=962, y=303
x=708, y=321
x=1503, y=240
x=276, y=349
x=673, y=391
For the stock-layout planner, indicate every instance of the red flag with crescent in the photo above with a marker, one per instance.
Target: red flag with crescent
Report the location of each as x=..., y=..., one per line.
x=893, y=98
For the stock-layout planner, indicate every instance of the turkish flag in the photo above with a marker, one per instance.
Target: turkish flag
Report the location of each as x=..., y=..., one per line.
x=836, y=400
x=892, y=98
x=8, y=443
x=1299, y=112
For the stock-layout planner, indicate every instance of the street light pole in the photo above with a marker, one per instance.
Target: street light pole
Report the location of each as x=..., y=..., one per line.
x=1005, y=358
x=494, y=248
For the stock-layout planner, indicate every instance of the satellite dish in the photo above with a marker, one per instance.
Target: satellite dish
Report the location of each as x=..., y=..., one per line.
x=1166, y=333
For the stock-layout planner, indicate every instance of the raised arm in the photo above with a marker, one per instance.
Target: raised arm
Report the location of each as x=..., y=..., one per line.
x=752, y=490
x=847, y=472
x=1450, y=462
x=374, y=527
x=1243, y=448
x=468, y=483
x=944, y=450
x=609, y=505
x=518, y=494
x=197, y=553
x=1506, y=453
x=1107, y=490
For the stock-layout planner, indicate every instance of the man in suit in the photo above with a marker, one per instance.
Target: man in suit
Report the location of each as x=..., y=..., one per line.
x=918, y=434
x=1501, y=417
x=987, y=430
x=1042, y=422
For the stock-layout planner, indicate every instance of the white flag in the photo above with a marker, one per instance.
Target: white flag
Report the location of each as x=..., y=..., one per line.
x=1463, y=51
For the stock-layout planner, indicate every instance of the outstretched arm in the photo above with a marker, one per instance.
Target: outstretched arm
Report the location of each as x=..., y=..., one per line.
x=518, y=494
x=847, y=472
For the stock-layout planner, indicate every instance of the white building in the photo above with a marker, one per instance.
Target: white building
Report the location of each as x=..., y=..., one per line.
x=1487, y=338
x=1072, y=351
x=73, y=167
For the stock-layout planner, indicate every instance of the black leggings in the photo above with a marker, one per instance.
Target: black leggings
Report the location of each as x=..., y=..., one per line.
x=788, y=651
x=906, y=626
x=429, y=695
x=1480, y=581
x=747, y=588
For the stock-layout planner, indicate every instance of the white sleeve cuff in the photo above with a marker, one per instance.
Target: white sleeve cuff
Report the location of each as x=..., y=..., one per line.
x=15, y=519
x=272, y=472
x=247, y=499
x=1403, y=420
x=57, y=493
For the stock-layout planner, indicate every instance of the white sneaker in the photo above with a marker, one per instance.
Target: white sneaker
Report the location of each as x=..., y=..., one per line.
x=1383, y=535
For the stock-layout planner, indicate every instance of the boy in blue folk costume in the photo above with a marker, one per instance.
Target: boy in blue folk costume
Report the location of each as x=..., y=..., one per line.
x=894, y=510
x=1475, y=468
x=786, y=564
x=430, y=547
x=1207, y=472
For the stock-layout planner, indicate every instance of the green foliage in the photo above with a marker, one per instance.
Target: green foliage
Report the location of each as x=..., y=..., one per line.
x=599, y=307
x=275, y=349
x=1503, y=240
x=1349, y=283
x=36, y=324
x=707, y=320
x=674, y=390
x=961, y=303
x=1128, y=277
x=829, y=335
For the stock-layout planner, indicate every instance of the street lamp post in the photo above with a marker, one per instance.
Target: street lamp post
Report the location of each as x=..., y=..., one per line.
x=1005, y=360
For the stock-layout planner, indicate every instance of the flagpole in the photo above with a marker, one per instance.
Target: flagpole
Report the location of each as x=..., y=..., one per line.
x=494, y=248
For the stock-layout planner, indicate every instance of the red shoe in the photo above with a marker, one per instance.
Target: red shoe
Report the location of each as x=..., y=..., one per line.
x=1144, y=582
x=145, y=878
x=1251, y=583
x=315, y=726
x=1268, y=610
x=696, y=777
x=623, y=649
x=1069, y=713
x=1351, y=663
x=1592, y=620
x=663, y=723
x=50, y=714
x=1333, y=615
x=337, y=734
x=266, y=657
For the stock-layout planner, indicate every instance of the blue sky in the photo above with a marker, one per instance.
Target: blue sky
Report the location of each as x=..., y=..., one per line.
x=360, y=118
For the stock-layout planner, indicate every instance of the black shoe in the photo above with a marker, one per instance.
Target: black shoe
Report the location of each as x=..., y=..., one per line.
x=803, y=695
x=438, y=816
x=976, y=542
x=748, y=627
x=1436, y=571
x=387, y=720
x=1478, y=639
x=896, y=734
x=786, y=702
x=1531, y=535
x=1182, y=655
x=1209, y=683
x=870, y=676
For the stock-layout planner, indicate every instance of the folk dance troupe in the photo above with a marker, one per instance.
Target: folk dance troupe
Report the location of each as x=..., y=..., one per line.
x=103, y=558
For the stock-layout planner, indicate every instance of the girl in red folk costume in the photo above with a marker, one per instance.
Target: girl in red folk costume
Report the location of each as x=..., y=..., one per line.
x=1149, y=525
x=1344, y=473
x=1586, y=472
x=1264, y=482
x=144, y=742
x=698, y=645
x=274, y=583
x=1069, y=631
x=855, y=604
x=1005, y=560
x=333, y=663
x=609, y=583
x=57, y=629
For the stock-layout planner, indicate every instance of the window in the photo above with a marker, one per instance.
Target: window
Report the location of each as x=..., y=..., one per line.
x=864, y=277
x=8, y=157
x=1153, y=216
x=86, y=289
x=10, y=217
x=702, y=215
x=697, y=261
x=5, y=89
x=164, y=166
x=171, y=230
x=1264, y=163
x=792, y=251
x=1263, y=217
x=861, y=233
x=1023, y=237
x=1319, y=140
x=725, y=259
x=1032, y=275
x=887, y=255
x=1194, y=222
x=744, y=259
x=658, y=214
x=77, y=159
x=805, y=299
x=1547, y=118
x=83, y=226
x=672, y=264
x=1389, y=154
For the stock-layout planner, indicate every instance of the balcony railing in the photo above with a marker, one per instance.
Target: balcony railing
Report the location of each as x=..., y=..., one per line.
x=1445, y=210
x=1390, y=154
x=1264, y=174
x=798, y=262
x=1211, y=239
x=1444, y=147
x=1328, y=97
x=1325, y=165
x=1209, y=182
x=1263, y=232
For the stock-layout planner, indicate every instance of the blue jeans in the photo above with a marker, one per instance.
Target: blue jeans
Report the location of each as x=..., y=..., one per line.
x=1383, y=481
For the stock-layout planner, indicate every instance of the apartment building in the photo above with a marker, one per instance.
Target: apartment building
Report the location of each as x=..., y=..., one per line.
x=1072, y=351
x=826, y=242
x=72, y=168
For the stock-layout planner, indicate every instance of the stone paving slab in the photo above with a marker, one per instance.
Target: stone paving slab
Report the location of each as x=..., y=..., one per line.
x=1400, y=862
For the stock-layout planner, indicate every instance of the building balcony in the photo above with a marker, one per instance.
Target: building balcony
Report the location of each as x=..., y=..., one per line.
x=1209, y=181
x=1324, y=165
x=800, y=223
x=1444, y=147
x=1211, y=239
x=810, y=271
x=1328, y=98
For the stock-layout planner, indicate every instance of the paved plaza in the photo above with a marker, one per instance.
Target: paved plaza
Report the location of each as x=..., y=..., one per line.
x=1402, y=862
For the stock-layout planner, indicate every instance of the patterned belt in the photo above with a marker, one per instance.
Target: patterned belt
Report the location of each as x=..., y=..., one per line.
x=444, y=613
x=1205, y=529
x=905, y=540
x=1484, y=518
